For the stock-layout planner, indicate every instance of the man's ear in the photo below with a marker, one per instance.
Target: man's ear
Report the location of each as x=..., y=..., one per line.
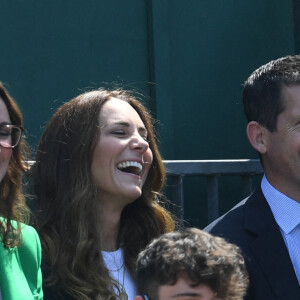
x=138, y=298
x=256, y=136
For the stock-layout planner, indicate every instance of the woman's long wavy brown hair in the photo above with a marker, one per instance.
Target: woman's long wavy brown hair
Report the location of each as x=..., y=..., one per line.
x=67, y=199
x=12, y=201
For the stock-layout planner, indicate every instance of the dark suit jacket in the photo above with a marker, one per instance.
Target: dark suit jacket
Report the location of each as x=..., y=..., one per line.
x=252, y=227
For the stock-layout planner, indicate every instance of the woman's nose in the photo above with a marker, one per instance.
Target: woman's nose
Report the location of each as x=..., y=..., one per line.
x=139, y=143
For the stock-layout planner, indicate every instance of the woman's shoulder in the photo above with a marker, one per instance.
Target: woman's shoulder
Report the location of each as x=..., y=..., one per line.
x=25, y=229
x=30, y=241
x=28, y=232
x=29, y=244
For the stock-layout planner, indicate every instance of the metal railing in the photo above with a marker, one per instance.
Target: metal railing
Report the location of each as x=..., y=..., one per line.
x=212, y=169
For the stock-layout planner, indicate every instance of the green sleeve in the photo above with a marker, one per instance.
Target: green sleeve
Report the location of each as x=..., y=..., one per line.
x=30, y=256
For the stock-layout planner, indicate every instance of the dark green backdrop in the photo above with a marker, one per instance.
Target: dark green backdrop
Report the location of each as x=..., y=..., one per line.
x=191, y=57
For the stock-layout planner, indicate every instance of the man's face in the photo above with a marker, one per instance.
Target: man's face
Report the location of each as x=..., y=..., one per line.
x=282, y=156
x=183, y=290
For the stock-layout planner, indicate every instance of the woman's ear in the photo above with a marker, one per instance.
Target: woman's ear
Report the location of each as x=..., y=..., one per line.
x=138, y=298
x=257, y=136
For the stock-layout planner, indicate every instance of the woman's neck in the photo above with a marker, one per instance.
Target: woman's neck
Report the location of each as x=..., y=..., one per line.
x=109, y=228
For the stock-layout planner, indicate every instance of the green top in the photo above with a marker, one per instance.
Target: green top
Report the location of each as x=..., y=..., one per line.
x=20, y=272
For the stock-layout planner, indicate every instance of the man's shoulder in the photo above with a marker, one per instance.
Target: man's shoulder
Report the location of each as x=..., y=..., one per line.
x=230, y=221
x=232, y=225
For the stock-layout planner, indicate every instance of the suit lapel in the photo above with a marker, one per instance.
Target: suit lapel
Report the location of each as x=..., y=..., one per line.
x=268, y=248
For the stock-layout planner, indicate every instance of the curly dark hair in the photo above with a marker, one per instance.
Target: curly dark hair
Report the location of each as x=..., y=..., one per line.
x=196, y=255
x=13, y=204
x=262, y=95
x=67, y=199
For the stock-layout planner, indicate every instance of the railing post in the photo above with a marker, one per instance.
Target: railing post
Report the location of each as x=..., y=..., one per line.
x=212, y=169
x=247, y=185
x=212, y=198
x=178, y=197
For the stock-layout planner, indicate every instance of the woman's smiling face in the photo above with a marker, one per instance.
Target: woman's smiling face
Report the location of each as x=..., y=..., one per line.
x=122, y=157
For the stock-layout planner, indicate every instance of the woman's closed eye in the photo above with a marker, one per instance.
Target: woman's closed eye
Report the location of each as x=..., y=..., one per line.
x=145, y=137
x=4, y=132
x=123, y=133
x=119, y=132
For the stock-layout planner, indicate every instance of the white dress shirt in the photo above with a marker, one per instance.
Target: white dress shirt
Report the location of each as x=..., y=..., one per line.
x=286, y=212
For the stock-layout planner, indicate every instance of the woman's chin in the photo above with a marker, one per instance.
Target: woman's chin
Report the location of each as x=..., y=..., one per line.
x=134, y=195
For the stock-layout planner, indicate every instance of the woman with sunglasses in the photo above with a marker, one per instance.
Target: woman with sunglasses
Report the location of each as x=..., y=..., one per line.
x=98, y=177
x=20, y=249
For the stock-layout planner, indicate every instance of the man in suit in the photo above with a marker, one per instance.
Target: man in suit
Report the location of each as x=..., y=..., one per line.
x=266, y=225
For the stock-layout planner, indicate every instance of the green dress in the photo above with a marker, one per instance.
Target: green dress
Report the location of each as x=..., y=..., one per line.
x=20, y=271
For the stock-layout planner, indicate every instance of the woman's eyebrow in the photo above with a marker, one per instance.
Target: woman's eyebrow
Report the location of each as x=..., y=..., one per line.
x=122, y=123
x=116, y=123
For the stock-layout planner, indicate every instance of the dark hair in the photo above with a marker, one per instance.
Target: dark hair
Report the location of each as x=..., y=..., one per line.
x=67, y=198
x=197, y=256
x=262, y=95
x=12, y=204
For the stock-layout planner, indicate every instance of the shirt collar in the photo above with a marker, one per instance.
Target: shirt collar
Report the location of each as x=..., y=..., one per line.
x=286, y=211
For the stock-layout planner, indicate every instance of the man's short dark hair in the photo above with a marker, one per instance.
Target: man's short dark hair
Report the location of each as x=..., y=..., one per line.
x=262, y=95
x=197, y=256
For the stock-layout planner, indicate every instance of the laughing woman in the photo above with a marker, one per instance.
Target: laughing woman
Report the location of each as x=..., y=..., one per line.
x=98, y=177
x=20, y=249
